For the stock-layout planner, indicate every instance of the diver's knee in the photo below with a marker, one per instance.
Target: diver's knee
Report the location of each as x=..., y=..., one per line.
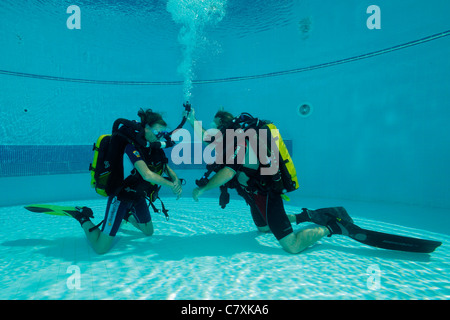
x=291, y=250
x=101, y=250
x=148, y=233
x=264, y=229
x=103, y=244
x=147, y=229
x=290, y=245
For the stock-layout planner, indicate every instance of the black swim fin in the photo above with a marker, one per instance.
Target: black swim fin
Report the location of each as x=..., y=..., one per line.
x=383, y=240
x=393, y=242
x=323, y=216
x=338, y=221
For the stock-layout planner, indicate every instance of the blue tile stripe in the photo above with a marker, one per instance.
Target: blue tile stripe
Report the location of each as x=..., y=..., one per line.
x=31, y=160
x=35, y=160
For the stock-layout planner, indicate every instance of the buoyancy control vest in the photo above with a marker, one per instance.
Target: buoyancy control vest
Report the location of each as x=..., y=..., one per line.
x=279, y=181
x=107, y=176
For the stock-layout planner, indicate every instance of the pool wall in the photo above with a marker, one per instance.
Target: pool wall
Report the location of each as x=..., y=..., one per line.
x=379, y=126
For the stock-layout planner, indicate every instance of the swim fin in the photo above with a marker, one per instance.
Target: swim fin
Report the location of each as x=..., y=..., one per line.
x=52, y=209
x=394, y=242
x=81, y=214
x=381, y=239
x=323, y=216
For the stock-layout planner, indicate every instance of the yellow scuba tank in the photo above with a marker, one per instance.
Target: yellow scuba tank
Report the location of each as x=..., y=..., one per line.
x=100, y=167
x=286, y=165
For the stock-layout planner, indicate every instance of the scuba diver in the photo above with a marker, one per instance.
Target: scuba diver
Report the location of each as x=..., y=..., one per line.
x=137, y=163
x=264, y=191
x=261, y=192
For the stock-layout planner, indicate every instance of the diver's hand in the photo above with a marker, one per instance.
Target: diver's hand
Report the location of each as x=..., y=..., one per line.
x=187, y=106
x=176, y=188
x=190, y=116
x=196, y=193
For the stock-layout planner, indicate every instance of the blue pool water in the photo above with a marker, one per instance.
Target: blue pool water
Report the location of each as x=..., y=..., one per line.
x=375, y=141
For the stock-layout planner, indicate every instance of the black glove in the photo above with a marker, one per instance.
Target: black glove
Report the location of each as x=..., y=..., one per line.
x=187, y=106
x=224, y=198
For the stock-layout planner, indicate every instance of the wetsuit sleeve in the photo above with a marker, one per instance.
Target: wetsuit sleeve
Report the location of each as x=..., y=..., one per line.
x=132, y=153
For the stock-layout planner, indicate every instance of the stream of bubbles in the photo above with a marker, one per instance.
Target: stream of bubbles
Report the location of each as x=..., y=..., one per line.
x=193, y=16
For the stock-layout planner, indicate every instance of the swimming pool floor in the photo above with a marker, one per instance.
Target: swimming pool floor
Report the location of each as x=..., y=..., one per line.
x=204, y=252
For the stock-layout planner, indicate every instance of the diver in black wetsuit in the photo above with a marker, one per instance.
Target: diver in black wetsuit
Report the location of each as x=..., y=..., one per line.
x=266, y=205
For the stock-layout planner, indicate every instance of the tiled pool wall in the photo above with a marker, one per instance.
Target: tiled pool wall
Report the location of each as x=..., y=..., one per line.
x=43, y=173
